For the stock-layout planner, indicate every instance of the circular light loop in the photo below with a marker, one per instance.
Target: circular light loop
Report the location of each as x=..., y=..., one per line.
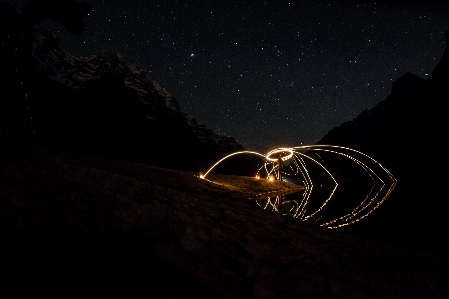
x=279, y=151
x=383, y=181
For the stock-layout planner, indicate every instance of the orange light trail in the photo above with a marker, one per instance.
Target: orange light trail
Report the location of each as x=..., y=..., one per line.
x=296, y=161
x=230, y=155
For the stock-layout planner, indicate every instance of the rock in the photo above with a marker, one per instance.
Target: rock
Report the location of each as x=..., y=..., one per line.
x=408, y=132
x=89, y=227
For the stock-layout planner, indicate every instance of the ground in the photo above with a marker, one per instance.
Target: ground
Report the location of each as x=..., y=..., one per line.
x=83, y=227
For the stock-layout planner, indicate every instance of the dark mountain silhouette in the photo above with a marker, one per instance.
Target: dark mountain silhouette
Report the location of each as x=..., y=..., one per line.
x=99, y=105
x=105, y=106
x=407, y=133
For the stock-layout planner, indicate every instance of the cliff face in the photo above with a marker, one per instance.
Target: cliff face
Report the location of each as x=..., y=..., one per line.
x=103, y=105
x=407, y=133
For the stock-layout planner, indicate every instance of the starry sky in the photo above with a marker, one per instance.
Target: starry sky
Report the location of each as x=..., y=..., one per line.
x=269, y=73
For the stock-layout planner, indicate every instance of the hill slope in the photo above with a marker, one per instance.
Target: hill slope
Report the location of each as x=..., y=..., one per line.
x=408, y=132
x=81, y=227
x=99, y=105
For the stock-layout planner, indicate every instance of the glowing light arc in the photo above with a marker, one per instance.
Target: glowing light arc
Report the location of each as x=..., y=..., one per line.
x=230, y=155
x=298, y=166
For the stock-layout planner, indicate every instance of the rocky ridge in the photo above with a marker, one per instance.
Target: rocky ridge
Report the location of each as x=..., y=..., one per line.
x=104, y=96
x=408, y=132
x=78, y=227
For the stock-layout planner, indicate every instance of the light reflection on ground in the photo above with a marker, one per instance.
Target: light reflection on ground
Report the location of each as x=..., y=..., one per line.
x=309, y=166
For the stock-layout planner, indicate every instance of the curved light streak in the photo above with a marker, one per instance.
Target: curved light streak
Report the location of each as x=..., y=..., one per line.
x=368, y=170
x=279, y=150
x=230, y=155
x=297, y=166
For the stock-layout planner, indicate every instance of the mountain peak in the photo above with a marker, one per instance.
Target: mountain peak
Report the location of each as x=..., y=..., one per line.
x=408, y=132
x=104, y=105
x=405, y=87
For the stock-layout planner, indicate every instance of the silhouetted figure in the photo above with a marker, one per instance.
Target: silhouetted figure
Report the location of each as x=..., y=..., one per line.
x=280, y=167
x=16, y=63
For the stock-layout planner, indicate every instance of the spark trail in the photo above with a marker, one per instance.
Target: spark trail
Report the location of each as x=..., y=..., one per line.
x=299, y=160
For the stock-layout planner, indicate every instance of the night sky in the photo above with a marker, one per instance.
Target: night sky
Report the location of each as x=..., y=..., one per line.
x=269, y=73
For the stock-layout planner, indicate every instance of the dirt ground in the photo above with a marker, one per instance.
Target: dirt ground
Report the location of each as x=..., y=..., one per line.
x=80, y=227
x=253, y=187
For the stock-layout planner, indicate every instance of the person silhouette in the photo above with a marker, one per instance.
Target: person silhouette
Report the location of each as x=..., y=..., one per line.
x=280, y=167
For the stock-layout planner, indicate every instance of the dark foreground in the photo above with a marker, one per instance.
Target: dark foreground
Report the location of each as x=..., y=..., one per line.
x=74, y=227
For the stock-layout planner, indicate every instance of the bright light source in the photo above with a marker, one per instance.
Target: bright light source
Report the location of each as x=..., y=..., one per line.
x=383, y=181
x=280, y=151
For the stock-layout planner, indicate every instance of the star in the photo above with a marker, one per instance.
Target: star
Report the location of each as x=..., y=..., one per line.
x=283, y=52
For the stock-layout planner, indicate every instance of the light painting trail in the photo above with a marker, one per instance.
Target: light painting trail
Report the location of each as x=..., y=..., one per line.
x=299, y=161
x=230, y=155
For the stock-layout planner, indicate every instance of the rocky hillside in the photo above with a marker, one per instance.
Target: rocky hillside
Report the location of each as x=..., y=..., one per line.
x=408, y=133
x=83, y=227
x=102, y=105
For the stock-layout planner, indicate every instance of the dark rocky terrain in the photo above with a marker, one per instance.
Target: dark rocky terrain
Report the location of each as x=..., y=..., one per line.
x=111, y=108
x=408, y=133
x=99, y=105
x=82, y=227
